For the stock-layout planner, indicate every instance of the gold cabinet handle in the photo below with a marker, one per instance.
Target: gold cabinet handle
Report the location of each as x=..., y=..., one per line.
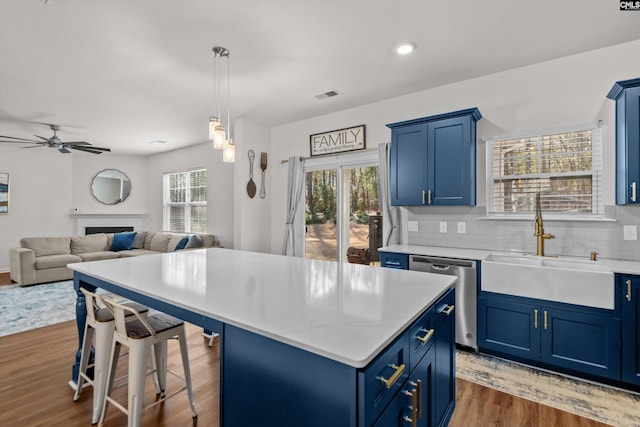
x=628, y=295
x=427, y=337
x=535, y=318
x=546, y=324
x=414, y=408
x=633, y=191
x=429, y=198
x=399, y=370
x=424, y=193
x=449, y=309
x=418, y=385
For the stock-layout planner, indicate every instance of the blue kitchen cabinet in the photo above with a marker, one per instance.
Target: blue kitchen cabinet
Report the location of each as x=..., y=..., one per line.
x=394, y=260
x=629, y=290
x=405, y=381
x=626, y=94
x=579, y=340
x=433, y=160
x=445, y=349
x=408, y=165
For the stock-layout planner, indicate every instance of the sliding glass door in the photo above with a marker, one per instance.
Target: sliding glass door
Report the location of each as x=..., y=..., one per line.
x=340, y=203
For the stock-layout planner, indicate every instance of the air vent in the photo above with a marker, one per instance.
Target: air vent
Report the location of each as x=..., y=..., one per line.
x=329, y=94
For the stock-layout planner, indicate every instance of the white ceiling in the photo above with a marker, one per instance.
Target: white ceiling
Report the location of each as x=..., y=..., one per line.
x=121, y=73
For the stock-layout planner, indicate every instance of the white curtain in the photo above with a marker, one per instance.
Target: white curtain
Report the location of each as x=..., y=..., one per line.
x=295, y=182
x=390, y=214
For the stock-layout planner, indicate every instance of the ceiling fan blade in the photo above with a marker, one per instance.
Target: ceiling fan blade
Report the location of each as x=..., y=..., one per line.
x=63, y=150
x=42, y=137
x=19, y=139
x=77, y=142
x=86, y=149
x=34, y=146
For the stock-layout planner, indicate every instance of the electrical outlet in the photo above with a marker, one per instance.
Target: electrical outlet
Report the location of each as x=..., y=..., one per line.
x=630, y=232
x=412, y=225
x=443, y=226
x=462, y=227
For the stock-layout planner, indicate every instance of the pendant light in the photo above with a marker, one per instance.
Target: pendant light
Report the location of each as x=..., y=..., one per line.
x=217, y=134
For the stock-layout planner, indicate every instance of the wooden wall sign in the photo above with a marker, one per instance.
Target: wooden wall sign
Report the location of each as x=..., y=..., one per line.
x=337, y=141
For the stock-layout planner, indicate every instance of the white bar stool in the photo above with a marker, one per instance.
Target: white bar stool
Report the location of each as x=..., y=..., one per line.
x=140, y=335
x=99, y=324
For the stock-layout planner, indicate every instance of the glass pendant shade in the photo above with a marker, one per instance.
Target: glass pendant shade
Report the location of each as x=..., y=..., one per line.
x=219, y=137
x=229, y=152
x=213, y=122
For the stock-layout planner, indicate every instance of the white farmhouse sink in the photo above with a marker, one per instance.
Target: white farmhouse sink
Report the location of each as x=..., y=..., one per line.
x=573, y=281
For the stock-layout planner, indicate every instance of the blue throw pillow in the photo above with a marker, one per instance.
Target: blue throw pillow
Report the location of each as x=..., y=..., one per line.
x=123, y=241
x=182, y=243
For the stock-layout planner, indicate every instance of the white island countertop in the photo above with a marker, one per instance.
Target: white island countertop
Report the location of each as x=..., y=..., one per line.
x=345, y=312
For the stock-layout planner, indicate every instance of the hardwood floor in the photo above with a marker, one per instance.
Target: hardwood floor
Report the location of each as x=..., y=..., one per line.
x=35, y=367
x=5, y=279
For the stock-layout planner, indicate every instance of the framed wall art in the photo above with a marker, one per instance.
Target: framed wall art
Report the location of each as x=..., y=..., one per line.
x=4, y=193
x=338, y=141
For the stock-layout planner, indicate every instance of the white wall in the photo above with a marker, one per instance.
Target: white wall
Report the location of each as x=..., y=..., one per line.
x=45, y=185
x=87, y=166
x=220, y=187
x=252, y=230
x=566, y=91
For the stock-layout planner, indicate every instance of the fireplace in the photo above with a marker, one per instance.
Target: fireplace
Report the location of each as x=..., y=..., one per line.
x=94, y=230
x=87, y=223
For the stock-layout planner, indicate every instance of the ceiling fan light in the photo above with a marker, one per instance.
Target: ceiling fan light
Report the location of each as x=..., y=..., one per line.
x=229, y=152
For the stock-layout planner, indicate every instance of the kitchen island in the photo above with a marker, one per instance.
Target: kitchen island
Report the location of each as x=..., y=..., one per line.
x=303, y=342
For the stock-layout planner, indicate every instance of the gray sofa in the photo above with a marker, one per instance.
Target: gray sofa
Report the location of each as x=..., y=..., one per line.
x=44, y=259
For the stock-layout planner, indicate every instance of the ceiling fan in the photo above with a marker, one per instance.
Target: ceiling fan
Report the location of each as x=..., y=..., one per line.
x=55, y=142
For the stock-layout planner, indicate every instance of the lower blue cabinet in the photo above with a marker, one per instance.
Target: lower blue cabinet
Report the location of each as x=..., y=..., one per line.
x=413, y=405
x=629, y=287
x=394, y=260
x=580, y=340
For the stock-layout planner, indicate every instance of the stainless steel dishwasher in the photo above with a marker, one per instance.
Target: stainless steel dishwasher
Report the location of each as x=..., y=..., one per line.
x=466, y=292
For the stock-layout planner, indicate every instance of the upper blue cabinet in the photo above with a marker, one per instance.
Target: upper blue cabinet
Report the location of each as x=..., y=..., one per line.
x=433, y=160
x=626, y=94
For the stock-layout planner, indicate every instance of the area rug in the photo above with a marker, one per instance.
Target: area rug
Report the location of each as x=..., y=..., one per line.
x=605, y=404
x=30, y=307
x=25, y=308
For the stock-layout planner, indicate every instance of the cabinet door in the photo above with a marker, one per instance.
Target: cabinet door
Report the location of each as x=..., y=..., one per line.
x=631, y=329
x=413, y=404
x=445, y=353
x=632, y=136
x=451, y=162
x=580, y=341
x=510, y=328
x=408, y=165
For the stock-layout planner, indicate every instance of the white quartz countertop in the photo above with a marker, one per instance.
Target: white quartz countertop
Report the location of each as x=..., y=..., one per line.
x=616, y=266
x=345, y=312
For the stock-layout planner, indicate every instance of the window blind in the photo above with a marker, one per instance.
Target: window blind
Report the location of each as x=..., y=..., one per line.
x=564, y=167
x=185, y=201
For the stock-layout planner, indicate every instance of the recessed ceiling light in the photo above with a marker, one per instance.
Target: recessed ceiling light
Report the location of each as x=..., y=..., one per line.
x=405, y=47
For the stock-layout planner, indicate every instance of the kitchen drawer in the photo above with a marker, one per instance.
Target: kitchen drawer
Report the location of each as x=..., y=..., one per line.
x=394, y=260
x=418, y=391
x=421, y=337
x=379, y=382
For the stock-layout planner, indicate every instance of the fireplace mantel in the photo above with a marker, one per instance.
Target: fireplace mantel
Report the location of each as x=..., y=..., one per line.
x=82, y=220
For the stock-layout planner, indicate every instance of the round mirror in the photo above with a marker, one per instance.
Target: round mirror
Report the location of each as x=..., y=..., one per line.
x=110, y=186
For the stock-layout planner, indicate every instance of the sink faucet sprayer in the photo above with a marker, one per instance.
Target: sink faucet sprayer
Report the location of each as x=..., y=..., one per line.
x=539, y=228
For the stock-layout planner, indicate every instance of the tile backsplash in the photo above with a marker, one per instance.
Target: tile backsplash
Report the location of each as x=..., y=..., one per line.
x=572, y=238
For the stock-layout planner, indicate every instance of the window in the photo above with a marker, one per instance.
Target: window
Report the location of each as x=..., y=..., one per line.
x=185, y=201
x=564, y=167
